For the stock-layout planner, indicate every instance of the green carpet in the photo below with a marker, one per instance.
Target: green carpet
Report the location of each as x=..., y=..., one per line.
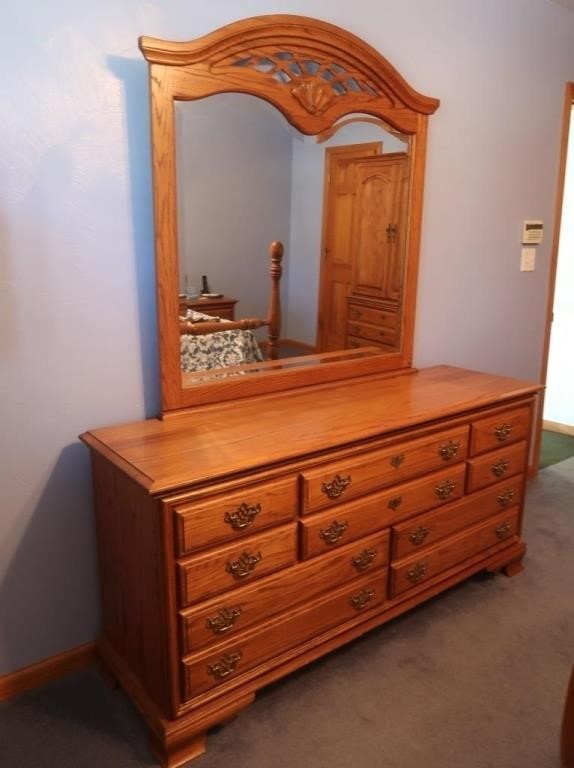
x=555, y=447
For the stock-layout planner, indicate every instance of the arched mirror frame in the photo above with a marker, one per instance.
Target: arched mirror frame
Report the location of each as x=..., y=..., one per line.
x=207, y=66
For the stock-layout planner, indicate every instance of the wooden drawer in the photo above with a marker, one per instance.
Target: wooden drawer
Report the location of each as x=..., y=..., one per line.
x=413, y=571
x=211, y=667
x=231, y=566
x=354, y=342
x=229, y=516
x=231, y=614
x=354, y=476
x=325, y=530
x=383, y=318
x=417, y=533
x=372, y=333
x=496, y=465
x=503, y=428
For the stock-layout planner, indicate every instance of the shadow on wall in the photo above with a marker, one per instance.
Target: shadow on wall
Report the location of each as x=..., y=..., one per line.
x=49, y=595
x=133, y=75
x=9, y=330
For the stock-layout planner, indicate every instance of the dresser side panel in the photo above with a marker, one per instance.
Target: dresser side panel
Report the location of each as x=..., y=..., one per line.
x=134, y=589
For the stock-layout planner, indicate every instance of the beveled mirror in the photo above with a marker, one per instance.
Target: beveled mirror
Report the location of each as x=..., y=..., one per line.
x=289, y=139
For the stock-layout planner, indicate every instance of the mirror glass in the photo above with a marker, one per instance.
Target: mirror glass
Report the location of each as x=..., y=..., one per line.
x=337, y=202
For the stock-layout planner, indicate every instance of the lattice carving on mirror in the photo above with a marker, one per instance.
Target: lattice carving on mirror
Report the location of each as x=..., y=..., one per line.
x=315, y=81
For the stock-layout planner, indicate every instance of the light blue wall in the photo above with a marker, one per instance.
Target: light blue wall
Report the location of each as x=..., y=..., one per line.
x=231, y=207
x=77, y=327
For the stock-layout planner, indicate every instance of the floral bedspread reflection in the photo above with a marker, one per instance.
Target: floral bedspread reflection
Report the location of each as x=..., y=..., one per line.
x=218, y=350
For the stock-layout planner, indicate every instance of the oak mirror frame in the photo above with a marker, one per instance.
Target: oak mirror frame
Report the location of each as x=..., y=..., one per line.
x=242, y=57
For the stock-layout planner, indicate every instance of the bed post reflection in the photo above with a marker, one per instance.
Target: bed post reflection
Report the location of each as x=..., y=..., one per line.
x=208, y=342
x=274, y=314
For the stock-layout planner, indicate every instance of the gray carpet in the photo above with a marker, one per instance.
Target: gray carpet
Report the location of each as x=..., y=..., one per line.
x=474, y=679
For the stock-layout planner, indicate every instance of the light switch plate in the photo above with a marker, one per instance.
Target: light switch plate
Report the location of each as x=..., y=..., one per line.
x=527, y=259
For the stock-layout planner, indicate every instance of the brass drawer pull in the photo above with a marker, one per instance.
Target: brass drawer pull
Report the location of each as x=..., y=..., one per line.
x=336, y=487
x=395, y=502
x=419, y=534
x=364, y=560
x=362, y=599
x=355, y=330
x=503, y=431
x=382, y=333
x=243, y=566
x=444, y=490
x=224, y=620
x=499, y=467
x=449, y=450
x=506, y=498
x=225, y=666
x=417, y=572
x=243, y=516
x=397, y=460
x=355, y=313
x=502, y=530
x=334, y=532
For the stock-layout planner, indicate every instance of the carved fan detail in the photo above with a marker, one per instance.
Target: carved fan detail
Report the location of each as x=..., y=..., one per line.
x=313, y=95
x=314, y=82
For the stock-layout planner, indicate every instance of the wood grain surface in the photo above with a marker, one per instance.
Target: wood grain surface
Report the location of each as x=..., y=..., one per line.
x=220, y=441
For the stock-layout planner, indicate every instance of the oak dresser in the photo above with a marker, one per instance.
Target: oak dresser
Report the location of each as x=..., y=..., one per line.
x=240, y=541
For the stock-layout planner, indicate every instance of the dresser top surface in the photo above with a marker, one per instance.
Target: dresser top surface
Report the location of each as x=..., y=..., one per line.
x=223, y=440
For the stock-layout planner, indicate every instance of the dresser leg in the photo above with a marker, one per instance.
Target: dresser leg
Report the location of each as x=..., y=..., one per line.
x=172, y=755
x=509, y=569
x=513, y=567
x=178, y=741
